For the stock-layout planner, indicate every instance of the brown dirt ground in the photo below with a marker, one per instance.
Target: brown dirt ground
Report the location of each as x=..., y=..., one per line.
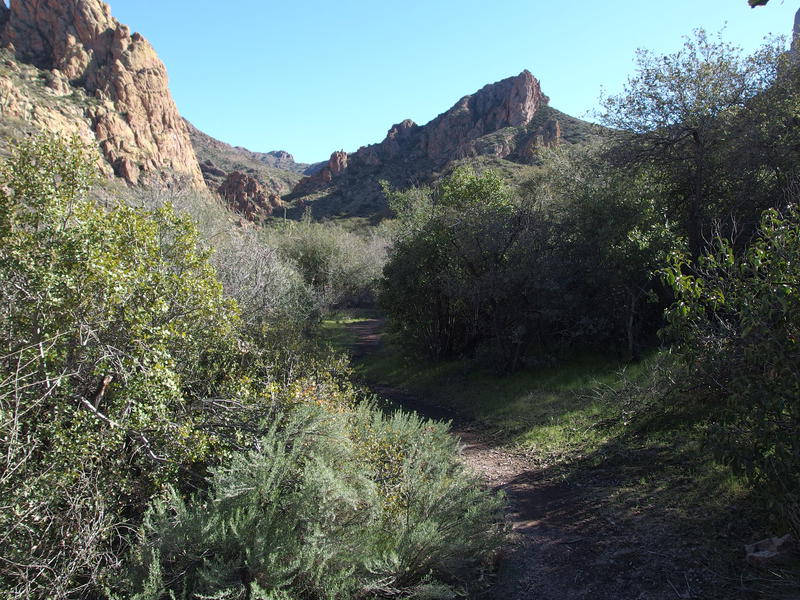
x=575, y=535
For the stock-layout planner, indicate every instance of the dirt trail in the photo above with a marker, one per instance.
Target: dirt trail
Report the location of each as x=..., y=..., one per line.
x=570, y=539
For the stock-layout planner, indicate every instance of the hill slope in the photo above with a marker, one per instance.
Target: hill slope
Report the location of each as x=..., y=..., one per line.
x=276, y=171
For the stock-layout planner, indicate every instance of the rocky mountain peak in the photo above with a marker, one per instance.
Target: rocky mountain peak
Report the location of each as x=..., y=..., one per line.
x=135, y=120
x=511, y=102
x=457, y=133
x=401, y=130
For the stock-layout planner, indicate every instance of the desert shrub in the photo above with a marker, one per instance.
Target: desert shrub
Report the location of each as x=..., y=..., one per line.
x=436, y=521
x=126, y=374
x=329, y=505
x=112, y=323
x=516, y=277
x=280, y=311
x=341, y=267
x=737, y=322
x=281, y=518
x=268, y=291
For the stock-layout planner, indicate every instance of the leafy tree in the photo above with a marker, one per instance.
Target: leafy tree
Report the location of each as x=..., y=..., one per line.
x=447, y=283
x=737, y=322
x=613, y=238
x=678, y=113
x=477, y=270
x=113, y=324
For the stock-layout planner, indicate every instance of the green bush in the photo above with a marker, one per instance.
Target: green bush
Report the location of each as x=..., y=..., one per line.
x=112, y=323
x=301, y=516
x=340, y=266
x=737, y=322
x=126, y=374
x=510, y=278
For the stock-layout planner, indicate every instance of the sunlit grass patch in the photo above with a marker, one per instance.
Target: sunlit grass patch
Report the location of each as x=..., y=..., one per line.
x=336, y=328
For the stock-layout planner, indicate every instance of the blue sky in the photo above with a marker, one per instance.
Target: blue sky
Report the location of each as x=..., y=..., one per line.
x=311, y=77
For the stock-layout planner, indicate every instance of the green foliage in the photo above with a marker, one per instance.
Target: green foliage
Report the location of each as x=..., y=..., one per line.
x=612, y=237
x=692, y=121
x=126, y=374
x=341, y=267
x=737, y=320
x=113, y=322
x=443, y=283
x=479, y=271
x=301, y=516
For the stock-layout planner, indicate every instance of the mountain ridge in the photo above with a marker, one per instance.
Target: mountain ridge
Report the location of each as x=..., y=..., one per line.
x=69, y=66
x=509, y=120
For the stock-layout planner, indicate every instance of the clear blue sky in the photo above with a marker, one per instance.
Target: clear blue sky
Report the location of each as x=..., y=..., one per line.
x=311, y=77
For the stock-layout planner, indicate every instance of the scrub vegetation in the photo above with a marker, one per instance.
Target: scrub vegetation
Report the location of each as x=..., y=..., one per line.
x=178, y=418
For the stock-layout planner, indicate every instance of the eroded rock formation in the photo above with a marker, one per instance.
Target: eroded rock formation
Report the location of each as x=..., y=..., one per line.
x=133, y=116
x=547, y=135
x=512, y=102
x=246, y=197
x=337, y=164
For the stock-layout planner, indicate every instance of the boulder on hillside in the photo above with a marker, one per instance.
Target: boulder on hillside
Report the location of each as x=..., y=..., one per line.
x=246, y=197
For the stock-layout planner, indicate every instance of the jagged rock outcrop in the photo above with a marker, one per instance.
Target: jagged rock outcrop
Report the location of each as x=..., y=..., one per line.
x=132, y=115
x=512, y=102
x=337, y=164
x=246, y=197
x=414, y=152
x=546, y=135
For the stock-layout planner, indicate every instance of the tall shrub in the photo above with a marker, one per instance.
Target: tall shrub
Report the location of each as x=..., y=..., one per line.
x=737, y=320
x=112, y=323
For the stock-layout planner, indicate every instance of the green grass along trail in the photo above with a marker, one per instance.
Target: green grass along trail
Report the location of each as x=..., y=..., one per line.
x=581, y=528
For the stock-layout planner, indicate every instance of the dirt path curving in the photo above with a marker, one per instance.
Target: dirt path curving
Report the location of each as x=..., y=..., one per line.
x=572, y=537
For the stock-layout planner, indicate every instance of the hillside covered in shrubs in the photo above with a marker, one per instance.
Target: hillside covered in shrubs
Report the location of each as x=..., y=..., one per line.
x=172, y=429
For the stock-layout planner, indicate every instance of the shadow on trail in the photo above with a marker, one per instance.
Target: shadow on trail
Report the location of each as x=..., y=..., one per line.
x=624, y=522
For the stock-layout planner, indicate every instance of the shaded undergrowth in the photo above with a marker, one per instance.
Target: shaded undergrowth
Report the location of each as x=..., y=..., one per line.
x=629, y=445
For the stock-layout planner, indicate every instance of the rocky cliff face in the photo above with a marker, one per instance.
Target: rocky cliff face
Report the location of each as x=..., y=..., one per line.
x=32, y=100
x=131, y=113
x=512, y=102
